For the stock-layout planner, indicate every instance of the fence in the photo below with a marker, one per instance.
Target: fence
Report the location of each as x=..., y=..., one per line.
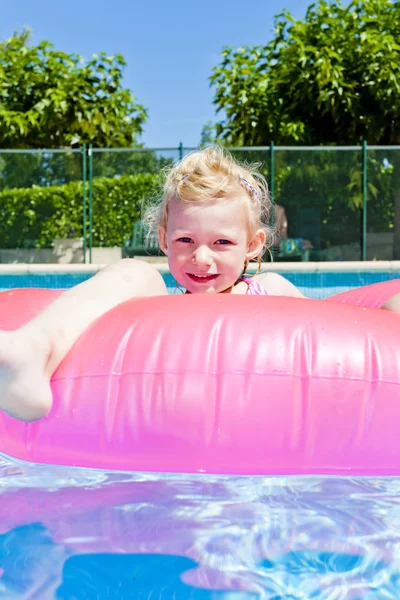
x=344, y=200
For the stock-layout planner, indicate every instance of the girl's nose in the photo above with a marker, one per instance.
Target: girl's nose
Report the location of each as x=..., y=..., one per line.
x=202, y=256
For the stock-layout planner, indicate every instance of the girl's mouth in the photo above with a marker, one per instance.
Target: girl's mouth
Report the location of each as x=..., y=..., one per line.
x=201, y=278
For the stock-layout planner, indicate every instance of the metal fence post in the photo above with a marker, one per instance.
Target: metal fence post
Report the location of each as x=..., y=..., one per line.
x=272, y=179
x=365, y=198
x=84, y=199
x=90, y=202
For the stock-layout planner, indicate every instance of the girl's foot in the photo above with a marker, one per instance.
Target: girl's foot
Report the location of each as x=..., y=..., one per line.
x=24, y=382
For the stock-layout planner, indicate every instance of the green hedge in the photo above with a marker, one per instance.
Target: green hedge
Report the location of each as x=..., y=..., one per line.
x=34, y=217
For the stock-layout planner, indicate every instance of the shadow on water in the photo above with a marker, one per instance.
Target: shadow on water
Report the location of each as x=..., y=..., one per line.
x=28, y=557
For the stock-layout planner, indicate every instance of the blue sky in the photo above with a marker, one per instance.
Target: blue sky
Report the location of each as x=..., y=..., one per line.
x=170, y=47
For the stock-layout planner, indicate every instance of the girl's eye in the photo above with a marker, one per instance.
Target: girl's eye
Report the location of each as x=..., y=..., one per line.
x=185, y=240
x=223, y=242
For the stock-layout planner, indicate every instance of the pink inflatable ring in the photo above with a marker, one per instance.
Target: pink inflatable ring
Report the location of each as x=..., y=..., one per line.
x=222, y=384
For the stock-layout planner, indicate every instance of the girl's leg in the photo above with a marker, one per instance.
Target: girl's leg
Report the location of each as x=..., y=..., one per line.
x=30, y=355
x=393, y=304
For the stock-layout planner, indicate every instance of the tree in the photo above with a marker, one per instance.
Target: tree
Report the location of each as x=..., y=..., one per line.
x=50, y=99
x=332, y=77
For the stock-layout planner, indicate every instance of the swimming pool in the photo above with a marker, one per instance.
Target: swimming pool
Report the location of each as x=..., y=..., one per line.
x=313, y=284
x=78, y=534
x=71, y=533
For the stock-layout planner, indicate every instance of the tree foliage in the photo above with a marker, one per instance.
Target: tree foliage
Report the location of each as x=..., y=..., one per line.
x=51, y=99
x=331, y=77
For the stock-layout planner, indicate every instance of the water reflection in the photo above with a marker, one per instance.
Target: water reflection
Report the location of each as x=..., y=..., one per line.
x=74, y=533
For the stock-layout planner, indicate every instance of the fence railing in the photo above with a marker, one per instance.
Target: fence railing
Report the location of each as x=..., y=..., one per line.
x=344, y=200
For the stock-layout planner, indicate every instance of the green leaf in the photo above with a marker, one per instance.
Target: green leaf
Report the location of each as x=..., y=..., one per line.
x=48, y=98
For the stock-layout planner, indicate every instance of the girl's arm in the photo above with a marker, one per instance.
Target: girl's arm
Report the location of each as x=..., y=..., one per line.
x=276, y=285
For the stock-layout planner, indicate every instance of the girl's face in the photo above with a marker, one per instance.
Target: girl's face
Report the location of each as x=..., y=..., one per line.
x=208, y=244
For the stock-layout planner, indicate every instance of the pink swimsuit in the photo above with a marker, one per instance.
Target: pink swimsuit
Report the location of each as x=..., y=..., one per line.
x=255, y=288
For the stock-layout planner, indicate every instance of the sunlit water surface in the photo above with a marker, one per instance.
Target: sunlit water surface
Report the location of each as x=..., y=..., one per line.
x=81, y=534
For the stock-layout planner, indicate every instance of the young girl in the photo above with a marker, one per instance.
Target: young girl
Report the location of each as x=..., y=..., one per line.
x=210, y=225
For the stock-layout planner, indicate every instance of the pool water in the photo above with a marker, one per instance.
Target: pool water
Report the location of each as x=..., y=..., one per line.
x=80, y=534
x=312, y=284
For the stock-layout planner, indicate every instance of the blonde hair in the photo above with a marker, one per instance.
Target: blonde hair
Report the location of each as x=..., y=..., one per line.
x=208, y=175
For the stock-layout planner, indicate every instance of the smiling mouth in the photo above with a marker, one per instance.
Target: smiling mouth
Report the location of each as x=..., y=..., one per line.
x=201, y=278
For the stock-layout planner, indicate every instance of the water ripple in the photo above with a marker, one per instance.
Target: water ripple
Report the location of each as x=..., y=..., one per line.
x=135, y=535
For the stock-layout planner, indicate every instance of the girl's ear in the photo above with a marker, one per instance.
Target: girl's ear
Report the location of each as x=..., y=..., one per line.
x=256, y=245
x=162, y=239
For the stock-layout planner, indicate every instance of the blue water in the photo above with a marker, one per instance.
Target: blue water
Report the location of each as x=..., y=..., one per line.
x=77, y=534
x=313, y=285
x=80, y=534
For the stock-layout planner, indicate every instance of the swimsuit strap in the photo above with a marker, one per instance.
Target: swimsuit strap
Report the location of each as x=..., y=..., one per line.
x=254, y=288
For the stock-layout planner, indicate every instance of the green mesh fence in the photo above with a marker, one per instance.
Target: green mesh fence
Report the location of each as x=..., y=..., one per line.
x=383, y=206
x=321, y=191
x=28, y=168
x=330, y=203
x=41, y=204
